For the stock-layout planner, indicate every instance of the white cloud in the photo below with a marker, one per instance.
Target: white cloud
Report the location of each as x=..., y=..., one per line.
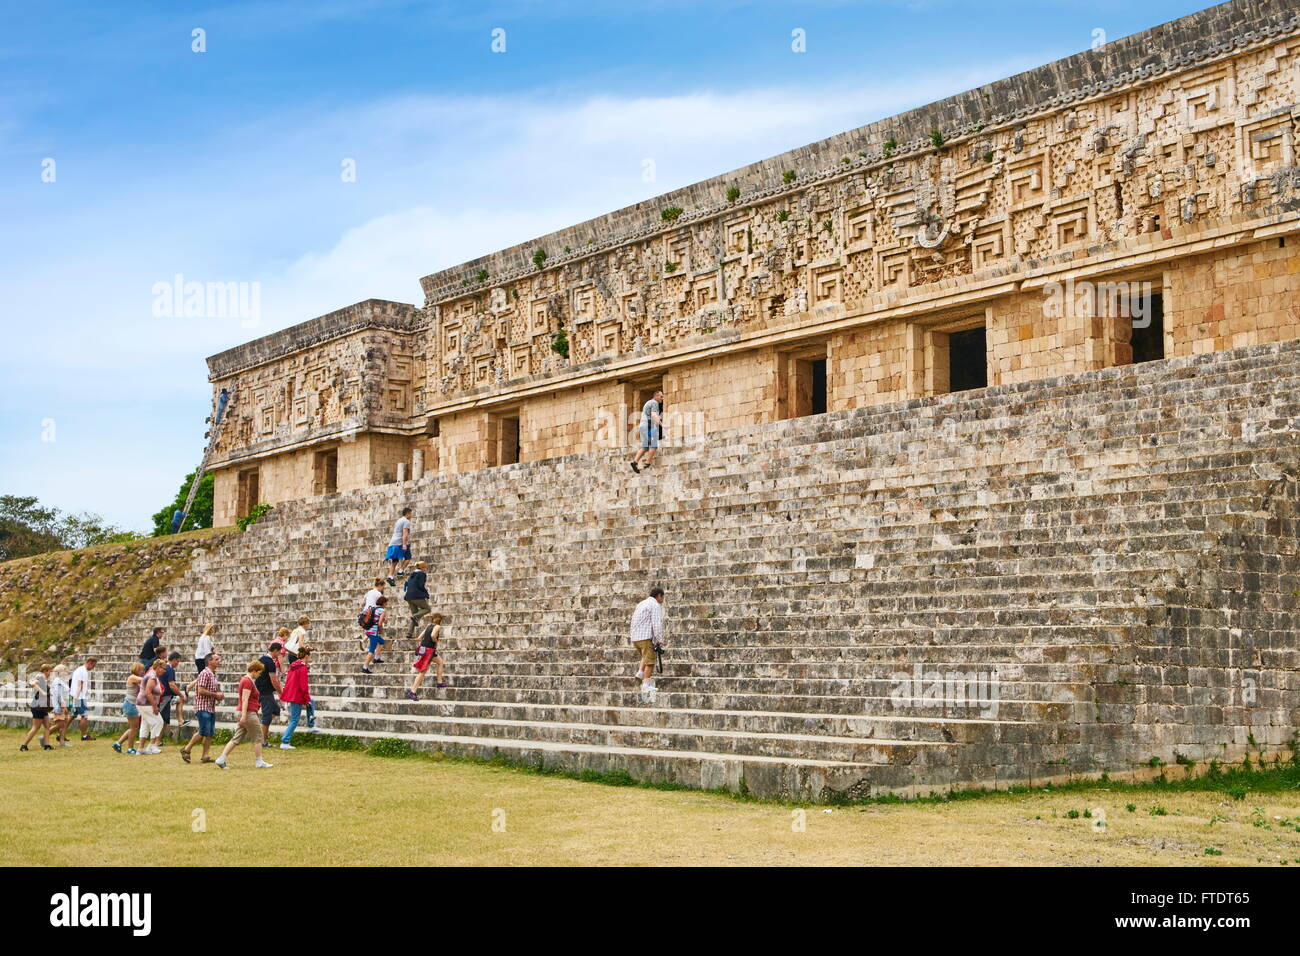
x=441, y=180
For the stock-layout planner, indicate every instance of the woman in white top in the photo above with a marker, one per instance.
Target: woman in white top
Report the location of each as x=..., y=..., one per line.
x=60, y=697
x=205, y=648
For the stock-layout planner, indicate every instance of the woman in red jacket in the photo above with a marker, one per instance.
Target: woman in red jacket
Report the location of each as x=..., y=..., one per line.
x=296, y=695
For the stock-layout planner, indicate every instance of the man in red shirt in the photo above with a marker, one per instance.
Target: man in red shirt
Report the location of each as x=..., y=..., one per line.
x=248, y=717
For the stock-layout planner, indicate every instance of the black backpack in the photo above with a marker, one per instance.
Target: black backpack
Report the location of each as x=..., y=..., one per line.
x=367, y=618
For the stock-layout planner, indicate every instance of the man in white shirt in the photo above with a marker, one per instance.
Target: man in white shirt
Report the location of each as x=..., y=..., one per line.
x=81, y=696
x=647, y=634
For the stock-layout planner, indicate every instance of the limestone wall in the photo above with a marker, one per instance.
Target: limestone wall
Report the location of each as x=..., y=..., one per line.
x=1165, y=160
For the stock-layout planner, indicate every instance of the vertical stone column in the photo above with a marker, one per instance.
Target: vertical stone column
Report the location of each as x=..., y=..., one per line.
x=417, y=464
x=401, y=472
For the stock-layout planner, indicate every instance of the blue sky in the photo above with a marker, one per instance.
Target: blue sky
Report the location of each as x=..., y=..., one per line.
x=224, y=166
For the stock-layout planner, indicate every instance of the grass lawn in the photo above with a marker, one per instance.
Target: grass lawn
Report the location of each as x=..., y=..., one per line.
x=88, y=806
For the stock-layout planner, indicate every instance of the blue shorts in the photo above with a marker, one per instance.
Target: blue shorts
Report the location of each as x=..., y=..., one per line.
x=649, y=436
x=397, y=553
x=129, y=709
x=207, y=722
x=376, y=642
x=80, y=708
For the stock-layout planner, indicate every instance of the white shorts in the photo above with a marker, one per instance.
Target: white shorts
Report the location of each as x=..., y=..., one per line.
x=151, y=724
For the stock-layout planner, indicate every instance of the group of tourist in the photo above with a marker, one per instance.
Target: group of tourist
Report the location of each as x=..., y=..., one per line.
x=153, y=688
x=374, y=609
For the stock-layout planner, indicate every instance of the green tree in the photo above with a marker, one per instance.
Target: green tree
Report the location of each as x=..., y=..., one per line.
x=26, y=528
x=200, y=512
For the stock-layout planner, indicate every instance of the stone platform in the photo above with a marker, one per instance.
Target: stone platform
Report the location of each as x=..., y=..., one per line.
x=1008, y=585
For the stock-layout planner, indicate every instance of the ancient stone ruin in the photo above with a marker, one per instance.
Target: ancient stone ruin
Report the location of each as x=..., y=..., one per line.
x=980, y=464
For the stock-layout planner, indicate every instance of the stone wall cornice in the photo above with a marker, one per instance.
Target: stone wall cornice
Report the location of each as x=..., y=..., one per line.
x=1127, y=62
x=368, y=314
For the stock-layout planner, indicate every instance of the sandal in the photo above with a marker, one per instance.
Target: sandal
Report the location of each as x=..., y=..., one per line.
x=185, y=755
x=208, y=760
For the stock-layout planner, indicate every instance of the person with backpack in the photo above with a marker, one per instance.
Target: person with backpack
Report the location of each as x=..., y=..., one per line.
x=428, y=655
x=296, y=695
x=372, y=622
x=40, y=707
x=417, y=596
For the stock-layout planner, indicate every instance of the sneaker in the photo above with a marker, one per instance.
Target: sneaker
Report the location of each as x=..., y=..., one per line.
x=441, y=684
x=221, y=762
x=87, y=736
x=65, y=744
x=288, y=747
x=117, y=747
x=392, y=582
x=412, y=695
x=23, y=747
x=133, y=752
x=46, y=747
x=185, y=755
x=262, y=763
x=151, y=750
x=377, y=660
x=635, y=468
x=365, y=670
x=313, y=730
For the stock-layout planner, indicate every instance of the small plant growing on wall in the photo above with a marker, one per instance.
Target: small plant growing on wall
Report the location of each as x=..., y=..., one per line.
x=783, y=215
x=539, y=258
x=733, y=194
x=891, y=144
x=827, y=226
x=670, y=267
x=560, y=343
x=988, y=156
x=481, y=275
x=788, y=176
x=250, y=519
x=936, y=137
x=671, y=213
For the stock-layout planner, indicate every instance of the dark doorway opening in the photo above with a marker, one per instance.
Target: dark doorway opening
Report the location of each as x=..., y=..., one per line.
x=968, y=365
x=1147, y=313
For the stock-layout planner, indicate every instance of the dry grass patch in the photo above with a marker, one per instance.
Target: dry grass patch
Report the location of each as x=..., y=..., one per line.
x=56, y=605
x=87, y=806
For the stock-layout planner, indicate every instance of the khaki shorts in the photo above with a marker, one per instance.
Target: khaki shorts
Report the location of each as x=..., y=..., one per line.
x=250, y=730
x=647, y=649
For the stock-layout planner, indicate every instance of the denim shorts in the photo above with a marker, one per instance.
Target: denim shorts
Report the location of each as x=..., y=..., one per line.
x=649, y=436
x=396, y=552
x=376, y=642
x=270, y=709
x=129, y=709
x=207, y=722
x=80, y=708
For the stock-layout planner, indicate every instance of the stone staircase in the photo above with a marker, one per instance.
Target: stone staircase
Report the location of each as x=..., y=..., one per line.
x=1100, y=568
